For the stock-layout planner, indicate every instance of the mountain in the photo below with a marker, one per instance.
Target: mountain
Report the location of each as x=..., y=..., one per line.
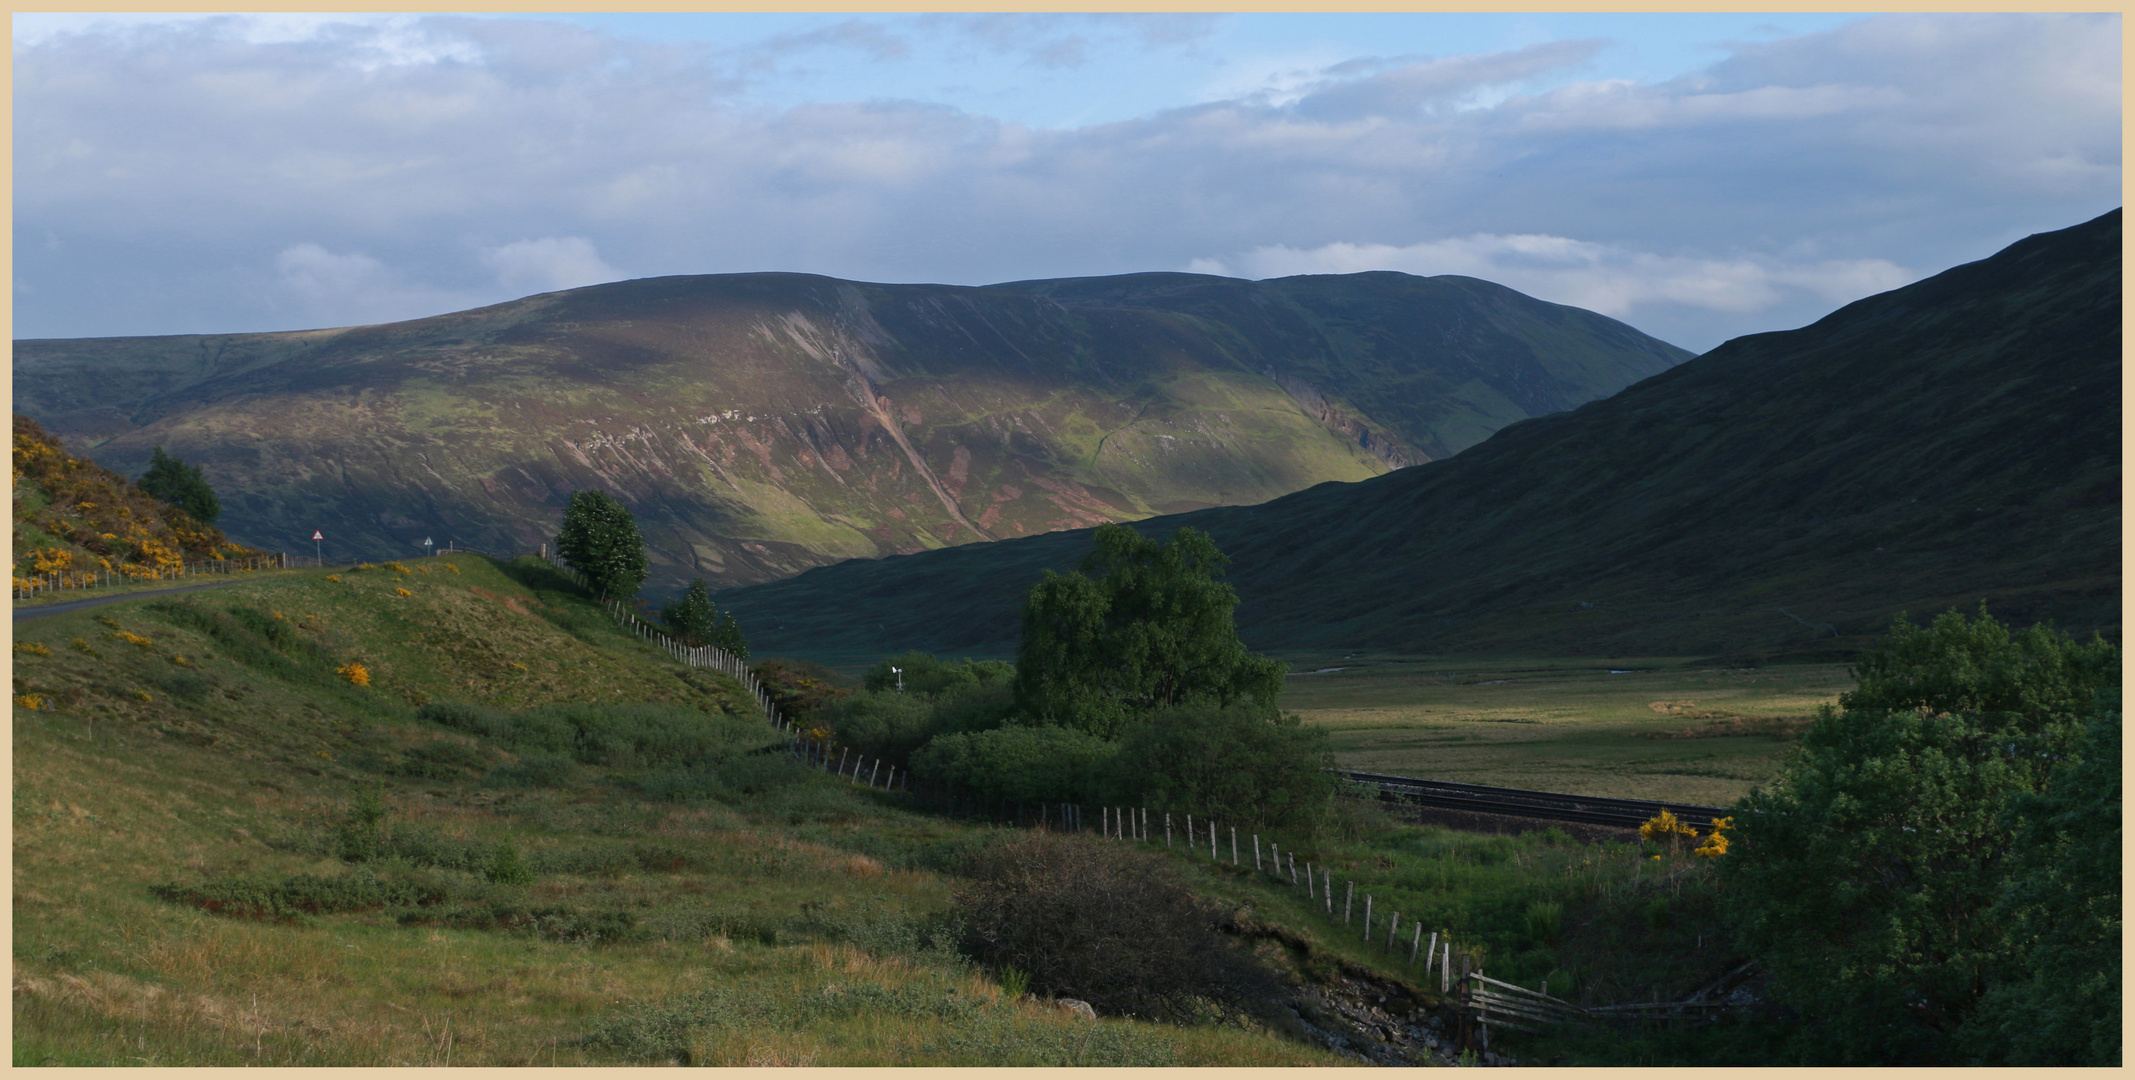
x=1953, y=441
x=760, y=424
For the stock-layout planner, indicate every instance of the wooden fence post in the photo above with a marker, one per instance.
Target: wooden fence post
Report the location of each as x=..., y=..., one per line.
x=1348, y=899
x=1367, y=916
x=1256, y=853
x=1418, y=941
x=1392, y=927
x=1167, y=828
x=1212, y=842
x=1234, y=845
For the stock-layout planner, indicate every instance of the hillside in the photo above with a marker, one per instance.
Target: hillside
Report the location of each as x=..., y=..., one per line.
x=77, y=519
x=761, y=424
x=227, y=851
x=1951, y=441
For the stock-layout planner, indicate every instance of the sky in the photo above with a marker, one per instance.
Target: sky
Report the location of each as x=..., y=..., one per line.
x=1696, y=176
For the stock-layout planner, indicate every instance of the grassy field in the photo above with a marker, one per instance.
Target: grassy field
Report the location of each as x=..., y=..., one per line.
x=1643, y=727
x=176, y=759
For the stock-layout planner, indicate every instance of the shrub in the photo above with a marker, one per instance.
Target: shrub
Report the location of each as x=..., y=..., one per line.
x=924, y=673
x=1242, y=763
x=894, y=726
x=355, y=673
x=506, y=868
x=1867, y=874
x=1019, y=764
x=1106, y=924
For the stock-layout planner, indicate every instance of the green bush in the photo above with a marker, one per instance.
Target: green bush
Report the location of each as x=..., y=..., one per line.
x=925, y=673
x=1866, y=877
x=1107, y=924
x=1019, y=764
x=1242, y=763
x=894, y=726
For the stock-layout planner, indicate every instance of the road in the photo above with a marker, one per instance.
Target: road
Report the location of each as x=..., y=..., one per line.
x=25, y=614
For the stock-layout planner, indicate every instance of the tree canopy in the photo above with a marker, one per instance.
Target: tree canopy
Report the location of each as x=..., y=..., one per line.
x=181, y=485
x=697, y=621
x=600, y=540
x=1867, y=877
x=1140, y=625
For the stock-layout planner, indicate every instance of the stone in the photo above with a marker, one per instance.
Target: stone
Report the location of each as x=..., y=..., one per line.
x=1079, y=1008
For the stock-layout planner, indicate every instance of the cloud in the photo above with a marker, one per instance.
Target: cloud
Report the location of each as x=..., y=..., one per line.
x=1614, y=281
x=392, y=162
x=549, y=264
x=351, y=289
x=1435, y=82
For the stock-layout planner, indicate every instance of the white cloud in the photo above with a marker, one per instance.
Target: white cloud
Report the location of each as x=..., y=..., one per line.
x=352, y=288
x=1795, y=174
x=1614, y=281
x=548, y=264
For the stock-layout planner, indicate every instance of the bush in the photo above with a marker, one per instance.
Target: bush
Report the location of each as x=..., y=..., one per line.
x=1106, y=924
x=924, y=673
x=1242, y=763
x=894, y=726
x=1867, y=874
x=1019, y=764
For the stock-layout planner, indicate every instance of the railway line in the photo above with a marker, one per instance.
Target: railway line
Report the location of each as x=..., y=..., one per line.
x=1547, y=805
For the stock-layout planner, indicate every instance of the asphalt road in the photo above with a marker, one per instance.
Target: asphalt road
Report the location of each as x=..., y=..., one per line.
x=25, y=614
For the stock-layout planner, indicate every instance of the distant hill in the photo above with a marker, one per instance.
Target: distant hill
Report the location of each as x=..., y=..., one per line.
x=761, y=424
x=1953, y=441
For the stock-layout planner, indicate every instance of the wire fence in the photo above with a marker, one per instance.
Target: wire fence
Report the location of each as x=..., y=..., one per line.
x=124, y=575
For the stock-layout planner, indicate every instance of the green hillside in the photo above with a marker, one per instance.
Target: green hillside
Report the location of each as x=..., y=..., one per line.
x=761, y=424
x=231, y=848
x=1787, y=493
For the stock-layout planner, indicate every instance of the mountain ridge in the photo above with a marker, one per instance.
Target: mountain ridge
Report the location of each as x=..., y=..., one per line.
x=759, y=424
x=1767, y=495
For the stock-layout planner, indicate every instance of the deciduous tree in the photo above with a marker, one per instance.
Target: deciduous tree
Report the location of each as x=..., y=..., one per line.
x=600, y=540
x=1140, y=625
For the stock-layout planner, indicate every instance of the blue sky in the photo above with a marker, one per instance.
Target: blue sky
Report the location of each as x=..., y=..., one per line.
x=1699, y=176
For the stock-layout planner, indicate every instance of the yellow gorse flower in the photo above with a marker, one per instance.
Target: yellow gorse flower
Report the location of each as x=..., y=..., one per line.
x=355, y=673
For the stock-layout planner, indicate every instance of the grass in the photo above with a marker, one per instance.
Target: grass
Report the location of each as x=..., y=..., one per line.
x=801, y=924
x=1654, y=728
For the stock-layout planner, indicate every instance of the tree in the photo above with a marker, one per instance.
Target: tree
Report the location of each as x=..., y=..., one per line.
x=1243, y=764
x=600, y=540
x=1138, y=626
x=1866, y=876
x=181, y=485
x=697, y=621
x=2059, y=1004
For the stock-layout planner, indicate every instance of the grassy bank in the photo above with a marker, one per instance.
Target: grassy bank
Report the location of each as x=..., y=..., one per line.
x=202, y=878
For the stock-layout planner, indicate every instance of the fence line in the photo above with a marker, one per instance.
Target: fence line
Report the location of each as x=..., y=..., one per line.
x=1490, y=1002
x=45, y=584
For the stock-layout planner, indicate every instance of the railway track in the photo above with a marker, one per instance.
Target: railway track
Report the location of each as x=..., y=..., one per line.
x=1547, y=805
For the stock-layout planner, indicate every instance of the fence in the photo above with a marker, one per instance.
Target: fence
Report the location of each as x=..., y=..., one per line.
x=1489, y=1001
x=30, y=588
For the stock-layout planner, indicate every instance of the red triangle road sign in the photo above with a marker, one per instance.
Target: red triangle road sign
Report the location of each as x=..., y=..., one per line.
x=317, y=535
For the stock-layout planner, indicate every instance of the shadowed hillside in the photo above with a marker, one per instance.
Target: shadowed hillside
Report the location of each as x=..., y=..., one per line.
x=760, y=424
x=1948, y=442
